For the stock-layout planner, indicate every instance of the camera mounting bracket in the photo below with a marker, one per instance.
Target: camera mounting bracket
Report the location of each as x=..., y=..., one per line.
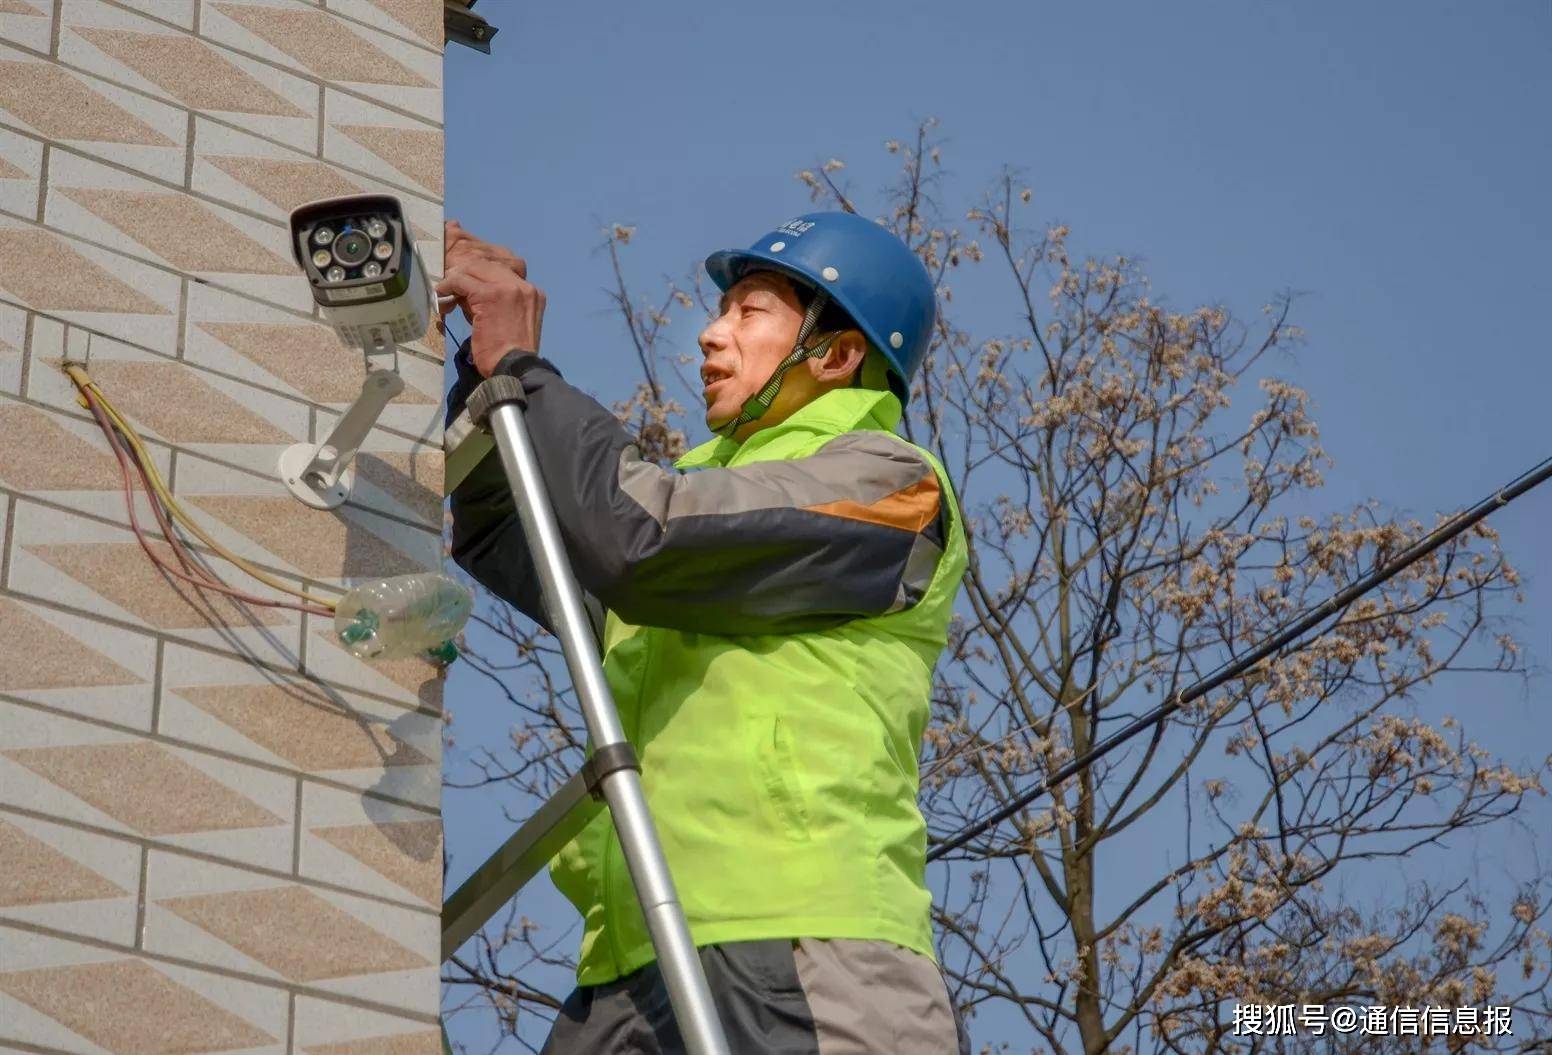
x=321, y=475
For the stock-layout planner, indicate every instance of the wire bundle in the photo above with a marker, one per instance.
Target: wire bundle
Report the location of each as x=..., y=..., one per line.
x=133, y=458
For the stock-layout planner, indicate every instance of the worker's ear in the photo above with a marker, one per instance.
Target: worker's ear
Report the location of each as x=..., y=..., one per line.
x=842, y=359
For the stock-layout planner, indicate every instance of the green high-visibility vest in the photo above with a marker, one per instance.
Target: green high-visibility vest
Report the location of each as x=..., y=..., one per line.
x=781, y=770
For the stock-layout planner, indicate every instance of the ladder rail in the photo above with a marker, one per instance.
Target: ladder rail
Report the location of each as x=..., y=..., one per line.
x=496, y=401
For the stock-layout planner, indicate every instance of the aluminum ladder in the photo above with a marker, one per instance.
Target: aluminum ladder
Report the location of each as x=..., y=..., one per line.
x=611, y=776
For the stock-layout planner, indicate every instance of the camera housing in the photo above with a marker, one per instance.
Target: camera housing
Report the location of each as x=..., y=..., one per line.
x=358, y=254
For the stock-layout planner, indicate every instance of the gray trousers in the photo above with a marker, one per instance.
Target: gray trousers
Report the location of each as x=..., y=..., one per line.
x=803, y=997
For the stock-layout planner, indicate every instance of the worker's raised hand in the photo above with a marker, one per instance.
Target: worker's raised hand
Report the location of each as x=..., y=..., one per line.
x=490, y=283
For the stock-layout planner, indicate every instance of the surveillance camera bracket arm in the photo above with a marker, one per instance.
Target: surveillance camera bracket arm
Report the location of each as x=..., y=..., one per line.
x=321, y=475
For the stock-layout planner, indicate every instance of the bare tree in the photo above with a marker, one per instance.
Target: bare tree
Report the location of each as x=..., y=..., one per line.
x=1285, y=840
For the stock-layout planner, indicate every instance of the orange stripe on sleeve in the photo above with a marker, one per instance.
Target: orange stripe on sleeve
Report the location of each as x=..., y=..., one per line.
x=910, y=508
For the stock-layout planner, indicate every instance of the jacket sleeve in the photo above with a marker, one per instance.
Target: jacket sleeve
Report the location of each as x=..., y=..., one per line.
x=854, y=529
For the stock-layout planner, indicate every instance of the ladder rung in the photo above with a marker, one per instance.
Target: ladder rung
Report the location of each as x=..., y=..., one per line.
x=520, y=858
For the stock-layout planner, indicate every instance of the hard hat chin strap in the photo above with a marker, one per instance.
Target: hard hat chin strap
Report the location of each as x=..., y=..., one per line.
x=756, y=405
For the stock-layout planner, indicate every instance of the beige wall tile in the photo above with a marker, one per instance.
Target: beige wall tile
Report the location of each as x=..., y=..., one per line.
x=373, y=846
x=13, y=344
x=84, y=772
x=27, y=22
x=328, y=47
x=57, y=876
x=81, y=475
x=406, y=481
x=373, y=139
x=318, y=938
x=281, y=178
x=288, y=721
x=419, y=19
x=99, y=568
x=21, y=159
x=189, y=72
x=178, y=12
x=76, y=664
x=80, y=283
x=414, y=682
x=305, y=358
x=172, y=230
x=326, y=1028
x=138, y=1004
x=261, y=518
x=87, y=113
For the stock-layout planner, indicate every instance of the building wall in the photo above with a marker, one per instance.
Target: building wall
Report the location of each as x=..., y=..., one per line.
x=218, y=831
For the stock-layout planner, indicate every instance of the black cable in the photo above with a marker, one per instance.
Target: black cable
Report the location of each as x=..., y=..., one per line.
x=1232, y=669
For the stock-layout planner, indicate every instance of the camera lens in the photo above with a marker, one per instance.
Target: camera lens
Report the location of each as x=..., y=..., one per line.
x=376, y=227
x=351, y=247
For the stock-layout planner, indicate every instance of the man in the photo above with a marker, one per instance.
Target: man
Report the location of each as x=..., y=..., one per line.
x=775, y=605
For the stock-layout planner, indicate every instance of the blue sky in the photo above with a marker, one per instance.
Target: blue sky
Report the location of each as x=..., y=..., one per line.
x=1388, y=161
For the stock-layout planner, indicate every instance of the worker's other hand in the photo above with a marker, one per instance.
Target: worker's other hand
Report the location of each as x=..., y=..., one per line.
x=490, y=283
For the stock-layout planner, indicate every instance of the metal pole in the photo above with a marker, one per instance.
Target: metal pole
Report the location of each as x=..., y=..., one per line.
x=676, y=955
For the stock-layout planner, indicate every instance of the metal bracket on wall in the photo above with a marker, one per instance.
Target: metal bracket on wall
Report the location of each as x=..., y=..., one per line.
x=462, y=26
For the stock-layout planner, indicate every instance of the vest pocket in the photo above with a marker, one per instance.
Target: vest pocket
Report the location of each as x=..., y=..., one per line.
x=778, y=769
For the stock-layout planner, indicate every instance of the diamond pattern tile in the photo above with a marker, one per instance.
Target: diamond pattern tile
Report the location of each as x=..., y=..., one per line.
x=130, y=1008
x=323, y=44
x=415, y=152
x=145, y=787
x=34, y=873
x=310, y=359
x=180, y=230
x=60, y=106
x=52, y=458
x=295, y=933
x=422, y=18
x=192, y=72
x=412, y=479
x=285, y=183
x=407, y=852
x=172, y=400
x=427, y=1042
x=121, y=573
x=47, y=273
x=303, y=726
x=322, y=546
x=39, y=655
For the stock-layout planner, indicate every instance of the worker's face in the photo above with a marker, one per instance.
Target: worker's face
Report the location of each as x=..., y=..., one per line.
x=758, y=322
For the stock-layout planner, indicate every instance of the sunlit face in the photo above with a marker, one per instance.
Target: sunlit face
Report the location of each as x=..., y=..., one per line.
x=758, y=321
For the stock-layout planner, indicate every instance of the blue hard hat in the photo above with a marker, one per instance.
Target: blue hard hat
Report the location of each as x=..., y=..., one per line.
x=862, y=267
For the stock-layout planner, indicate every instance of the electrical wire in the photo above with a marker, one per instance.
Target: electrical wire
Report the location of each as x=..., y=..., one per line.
x=120, y=433
x=1533, y=477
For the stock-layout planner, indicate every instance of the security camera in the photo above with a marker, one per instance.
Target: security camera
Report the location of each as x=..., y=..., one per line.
x=359, y=258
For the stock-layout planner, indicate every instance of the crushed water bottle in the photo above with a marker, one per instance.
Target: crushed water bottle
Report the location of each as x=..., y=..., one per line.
x=406, y=615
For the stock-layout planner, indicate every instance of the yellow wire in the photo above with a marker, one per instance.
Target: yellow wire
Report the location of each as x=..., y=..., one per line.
x=84, y=381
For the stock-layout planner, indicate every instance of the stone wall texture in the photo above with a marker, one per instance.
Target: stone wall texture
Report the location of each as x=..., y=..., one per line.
x=219, y=832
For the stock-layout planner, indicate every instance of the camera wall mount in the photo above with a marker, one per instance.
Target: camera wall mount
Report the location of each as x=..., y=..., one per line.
x=358, y=255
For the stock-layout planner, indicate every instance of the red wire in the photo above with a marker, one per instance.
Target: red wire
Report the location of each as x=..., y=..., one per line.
x=205, y=580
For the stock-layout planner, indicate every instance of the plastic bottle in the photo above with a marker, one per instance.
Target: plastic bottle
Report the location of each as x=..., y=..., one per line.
x=403, y=616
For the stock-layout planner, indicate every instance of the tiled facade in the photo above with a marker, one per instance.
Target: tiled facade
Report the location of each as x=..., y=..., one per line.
x=219, y=831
